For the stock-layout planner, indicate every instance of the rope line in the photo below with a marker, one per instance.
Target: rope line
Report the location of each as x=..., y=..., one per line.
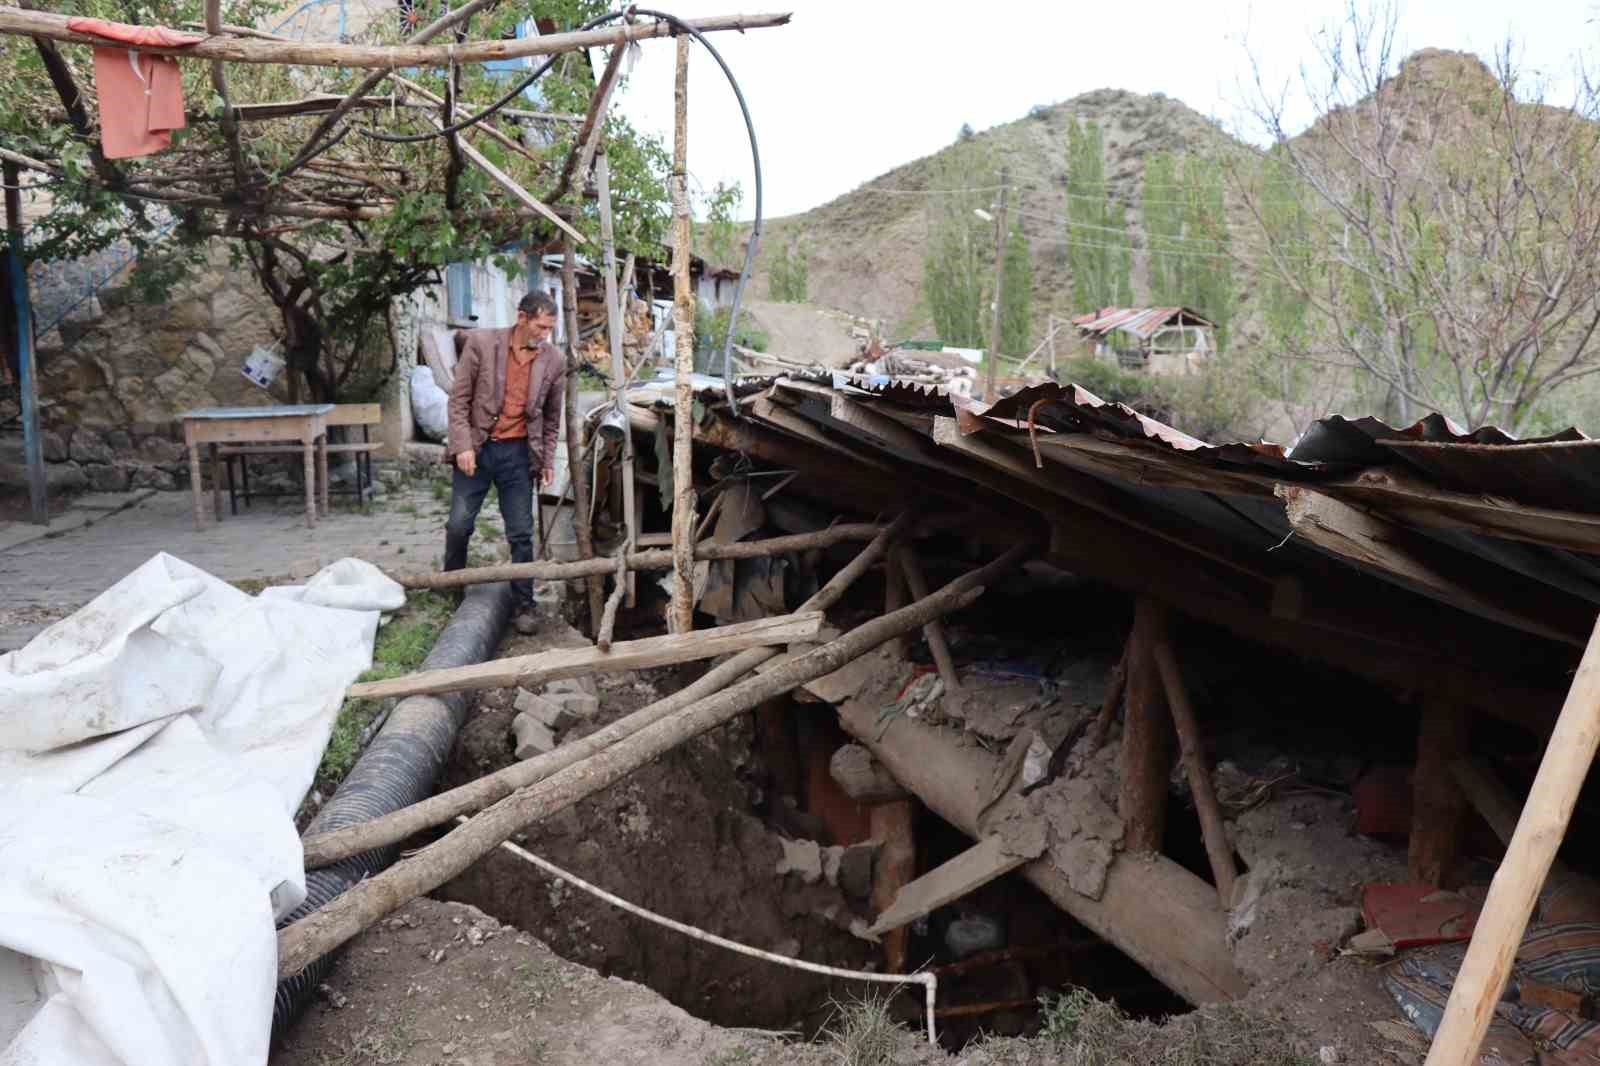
x=928, y=981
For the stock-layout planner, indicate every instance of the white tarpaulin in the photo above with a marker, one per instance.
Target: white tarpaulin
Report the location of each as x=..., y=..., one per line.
x=154, y=748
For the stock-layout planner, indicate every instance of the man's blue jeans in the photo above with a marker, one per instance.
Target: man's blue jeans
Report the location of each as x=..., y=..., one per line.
x=503, y=464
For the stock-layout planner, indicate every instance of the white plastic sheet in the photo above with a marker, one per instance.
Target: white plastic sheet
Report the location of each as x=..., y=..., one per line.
x=154, y=747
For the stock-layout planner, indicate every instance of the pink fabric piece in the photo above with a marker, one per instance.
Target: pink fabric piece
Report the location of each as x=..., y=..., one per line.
x=141, y=95
x=128, y=34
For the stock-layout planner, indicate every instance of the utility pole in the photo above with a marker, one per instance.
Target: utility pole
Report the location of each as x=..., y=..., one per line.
x=991, y=390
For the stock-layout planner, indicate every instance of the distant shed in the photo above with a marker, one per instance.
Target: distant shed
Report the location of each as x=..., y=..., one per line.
x=1160, y=340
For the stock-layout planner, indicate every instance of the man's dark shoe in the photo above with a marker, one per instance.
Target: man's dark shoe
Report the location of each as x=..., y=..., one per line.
x=525, y=621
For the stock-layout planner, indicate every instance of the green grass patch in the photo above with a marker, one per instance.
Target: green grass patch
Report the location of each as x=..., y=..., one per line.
x=401, y=646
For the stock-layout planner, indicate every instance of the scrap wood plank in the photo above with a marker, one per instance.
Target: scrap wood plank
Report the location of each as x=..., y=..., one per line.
x=964, y=874
x=559, y=663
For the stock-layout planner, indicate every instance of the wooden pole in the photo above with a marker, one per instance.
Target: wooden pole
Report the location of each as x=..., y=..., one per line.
x=1218, y=850
x=380, y=57
x=348, y=914
x=27, y=372
x=608, y=617
x=1540, y=829
x=1145, y=760
x=681, y=619
x=1439, y=804
x=991, y=386
x=575, y=466
x=619, y=370
x=436, y=810
x=933, y=632
x=893, y=826
x=1116, y=684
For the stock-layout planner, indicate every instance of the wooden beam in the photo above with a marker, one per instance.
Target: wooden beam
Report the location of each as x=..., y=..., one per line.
x=1439, y=804
x=933, y=632
x=1153, y=910
x=652, y=559
x=1145, y=759
x=574, y=430
x=684, y=498
x=1218, y=851
x=486, y=128
x=1378, y=545
x=558, y=663
x=961, y=876
x=1415, y=503
x=522, y=196
x=619, y=369
x=893, y=826
x=377, y=57
x=796, y=425
x=587, y=140
x=1540, y=830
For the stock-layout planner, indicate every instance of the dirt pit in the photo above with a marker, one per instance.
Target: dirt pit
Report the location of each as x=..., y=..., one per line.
x=680, y=838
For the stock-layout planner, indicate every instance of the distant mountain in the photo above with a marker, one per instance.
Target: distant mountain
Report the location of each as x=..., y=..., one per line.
x=866, y=246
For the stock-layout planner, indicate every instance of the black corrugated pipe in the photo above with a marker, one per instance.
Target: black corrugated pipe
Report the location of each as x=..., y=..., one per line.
x=398, y=768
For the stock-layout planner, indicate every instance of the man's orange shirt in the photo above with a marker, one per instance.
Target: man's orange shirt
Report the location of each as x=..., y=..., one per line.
x=513, y=421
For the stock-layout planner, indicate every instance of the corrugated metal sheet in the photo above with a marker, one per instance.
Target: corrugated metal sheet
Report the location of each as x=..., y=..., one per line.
x=1139, y=321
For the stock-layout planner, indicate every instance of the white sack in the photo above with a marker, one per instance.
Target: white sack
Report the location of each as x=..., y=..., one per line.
x=430, y=405
x=154, y=747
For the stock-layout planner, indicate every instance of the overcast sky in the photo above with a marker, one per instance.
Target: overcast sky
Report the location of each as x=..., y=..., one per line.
x=849, y=90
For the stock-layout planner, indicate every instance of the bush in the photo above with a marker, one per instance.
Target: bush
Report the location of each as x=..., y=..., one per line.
x=1215, y=404
x=711, y=329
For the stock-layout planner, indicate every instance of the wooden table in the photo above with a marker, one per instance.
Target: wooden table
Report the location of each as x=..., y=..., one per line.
x=215, y=426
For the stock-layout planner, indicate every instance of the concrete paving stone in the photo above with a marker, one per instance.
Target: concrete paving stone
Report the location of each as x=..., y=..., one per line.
x=577, y=704
x=551, y=715
x=532, y=737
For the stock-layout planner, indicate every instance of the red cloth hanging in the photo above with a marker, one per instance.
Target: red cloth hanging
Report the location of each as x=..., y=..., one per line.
x=141, y=95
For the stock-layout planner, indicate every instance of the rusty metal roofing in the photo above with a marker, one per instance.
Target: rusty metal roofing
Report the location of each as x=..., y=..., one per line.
x=1139, y=321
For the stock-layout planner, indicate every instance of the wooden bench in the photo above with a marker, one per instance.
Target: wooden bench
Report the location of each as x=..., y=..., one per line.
x=364, y=415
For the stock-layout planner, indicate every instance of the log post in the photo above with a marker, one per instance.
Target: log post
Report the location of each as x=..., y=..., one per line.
x=619, y=369
x=893, y=826
x=1218, y=850
x=1540, y=829
x=1116, y=684
x=683, y=308
x=1146, y=755
x=894, y=598
x=933, y=632
x=580, y=488
x=347, y=915
x=1439, y=804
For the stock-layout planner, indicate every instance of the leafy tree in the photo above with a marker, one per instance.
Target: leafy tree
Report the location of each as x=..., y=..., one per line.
x=1016, y=296
x=788, y=277
x=1440, y=223
x=1099, y=255
x=1185, y=222
x=965, y=133
x=332, y=235
x=958, y=259
x=720, y=230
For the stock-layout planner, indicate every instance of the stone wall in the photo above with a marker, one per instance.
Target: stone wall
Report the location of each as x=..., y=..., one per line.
x=128, y=363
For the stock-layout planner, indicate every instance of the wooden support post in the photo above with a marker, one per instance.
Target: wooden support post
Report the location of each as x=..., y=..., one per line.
x=681, y=619
x=933, y=632
x=27, y=372
x=894, y=598
x=575, y=468
x=619, y=370
x=1439, y=804
x=893, y=826
x=1116, y=685
x=1218, y=850
x=1540, y=830
x=608, y=616
x=1146, y=756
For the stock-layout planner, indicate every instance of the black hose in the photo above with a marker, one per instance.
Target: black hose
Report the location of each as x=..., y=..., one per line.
x=398, y=769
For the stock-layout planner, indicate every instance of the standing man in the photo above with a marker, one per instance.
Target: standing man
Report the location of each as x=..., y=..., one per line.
x=505, y=412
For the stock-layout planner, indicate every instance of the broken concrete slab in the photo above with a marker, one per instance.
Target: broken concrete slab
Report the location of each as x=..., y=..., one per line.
x=533, y=738
x=575, y=704
x=547, y=713
x=803, y=857
x=862, y=777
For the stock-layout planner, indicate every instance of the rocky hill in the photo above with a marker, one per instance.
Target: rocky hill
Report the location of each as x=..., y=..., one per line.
x=866, y=246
